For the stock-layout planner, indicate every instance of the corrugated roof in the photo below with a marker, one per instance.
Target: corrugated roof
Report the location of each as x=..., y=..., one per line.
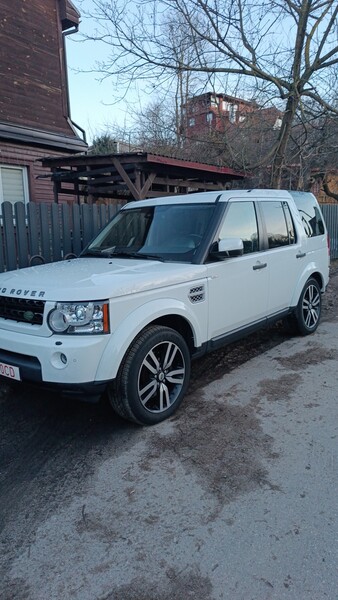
x=135, y=175
x=143, y=157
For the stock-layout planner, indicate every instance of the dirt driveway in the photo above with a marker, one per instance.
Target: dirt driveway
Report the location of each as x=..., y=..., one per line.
x=232, y=498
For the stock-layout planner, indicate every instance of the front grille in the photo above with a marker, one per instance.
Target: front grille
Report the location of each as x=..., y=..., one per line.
x=22, y=310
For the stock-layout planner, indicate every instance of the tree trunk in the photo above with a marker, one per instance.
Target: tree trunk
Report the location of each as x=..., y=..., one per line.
x=326, y=188
x=283, y=140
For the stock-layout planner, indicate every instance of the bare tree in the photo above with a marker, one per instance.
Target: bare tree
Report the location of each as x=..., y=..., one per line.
x=287, y=47
x=321, y=147
x=154, y=128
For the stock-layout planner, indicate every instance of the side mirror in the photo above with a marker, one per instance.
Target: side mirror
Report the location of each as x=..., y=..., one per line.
x=227, y=248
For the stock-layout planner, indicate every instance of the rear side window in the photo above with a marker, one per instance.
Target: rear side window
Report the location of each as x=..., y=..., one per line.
x=310, y=214
x=289, y=223
x=240, y=222
x=278, y=223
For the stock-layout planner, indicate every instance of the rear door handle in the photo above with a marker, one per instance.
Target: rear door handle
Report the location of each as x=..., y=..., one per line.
x=300, y=254
x=259, y=266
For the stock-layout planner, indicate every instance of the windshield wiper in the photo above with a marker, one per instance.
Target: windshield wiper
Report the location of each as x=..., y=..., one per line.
x=122, y=254
x=92, y=252
x=109, y=253
x=150, y=257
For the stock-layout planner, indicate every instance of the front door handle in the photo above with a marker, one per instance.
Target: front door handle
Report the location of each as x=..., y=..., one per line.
x=300, y=254
x=259, y=266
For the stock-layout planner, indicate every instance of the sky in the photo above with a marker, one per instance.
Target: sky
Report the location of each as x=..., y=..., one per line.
x=92, y=102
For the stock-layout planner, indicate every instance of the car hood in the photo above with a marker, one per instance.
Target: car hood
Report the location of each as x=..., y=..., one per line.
x=95, y=278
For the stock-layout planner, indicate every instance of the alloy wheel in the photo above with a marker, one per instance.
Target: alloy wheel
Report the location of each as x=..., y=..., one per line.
x=311, y=306
x=161, y=377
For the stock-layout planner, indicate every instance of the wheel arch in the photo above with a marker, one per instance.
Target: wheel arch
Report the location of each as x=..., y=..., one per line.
x=179, y=324
x=175, y=316
x=310, y=272
x=319, y=278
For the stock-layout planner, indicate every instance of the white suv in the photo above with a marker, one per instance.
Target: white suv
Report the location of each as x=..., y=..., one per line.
x=165, y=281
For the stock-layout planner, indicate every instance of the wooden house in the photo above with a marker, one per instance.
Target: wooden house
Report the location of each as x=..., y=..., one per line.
x=34, y=104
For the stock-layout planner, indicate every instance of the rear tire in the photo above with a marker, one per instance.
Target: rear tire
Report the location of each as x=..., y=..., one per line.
x=153, y=377
x=308, y=312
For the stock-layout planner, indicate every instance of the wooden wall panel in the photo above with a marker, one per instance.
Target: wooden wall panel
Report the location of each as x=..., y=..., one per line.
x=40, y=190
x=33, y=84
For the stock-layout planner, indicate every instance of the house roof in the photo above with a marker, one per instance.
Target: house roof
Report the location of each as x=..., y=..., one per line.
x=34, y=136
x=70, y=16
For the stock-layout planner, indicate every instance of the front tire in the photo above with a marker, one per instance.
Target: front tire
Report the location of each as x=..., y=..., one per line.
x=153, y=376
x=309, y=308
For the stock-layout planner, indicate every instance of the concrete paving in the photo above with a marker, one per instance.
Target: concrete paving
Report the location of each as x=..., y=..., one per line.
x=233, y=498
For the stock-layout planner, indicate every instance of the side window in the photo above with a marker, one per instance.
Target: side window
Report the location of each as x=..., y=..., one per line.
x=276, y=224
x=240, y=222
x=310, y=214
x=289, y=223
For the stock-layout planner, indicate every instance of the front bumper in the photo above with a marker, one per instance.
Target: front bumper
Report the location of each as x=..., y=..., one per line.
x=30, y=373
x=63, y=362
x=86, y=392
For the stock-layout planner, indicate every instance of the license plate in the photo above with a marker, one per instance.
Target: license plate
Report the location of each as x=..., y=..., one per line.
x=10, y=371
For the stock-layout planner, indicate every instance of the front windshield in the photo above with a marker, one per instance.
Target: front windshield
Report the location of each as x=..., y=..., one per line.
x=166, y=232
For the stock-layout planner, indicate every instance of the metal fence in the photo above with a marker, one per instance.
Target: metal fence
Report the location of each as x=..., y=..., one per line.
x=330, y=214
x=43, y=233
x=38, y=233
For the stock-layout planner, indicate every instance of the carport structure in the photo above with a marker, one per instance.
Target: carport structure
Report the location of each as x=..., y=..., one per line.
x=133, y=176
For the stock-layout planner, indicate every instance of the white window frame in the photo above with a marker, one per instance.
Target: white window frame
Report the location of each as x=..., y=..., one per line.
x=233, y=112
x=24, y=171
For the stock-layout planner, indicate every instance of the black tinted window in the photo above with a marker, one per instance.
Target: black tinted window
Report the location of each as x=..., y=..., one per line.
x=275, y=223
x=310, y=214
x=240, y=222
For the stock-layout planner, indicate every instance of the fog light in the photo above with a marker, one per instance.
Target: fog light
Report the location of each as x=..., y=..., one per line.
x=59, y=360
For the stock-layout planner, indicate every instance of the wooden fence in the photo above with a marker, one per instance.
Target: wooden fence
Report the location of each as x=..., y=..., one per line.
x=43, y=233
x=38, y=233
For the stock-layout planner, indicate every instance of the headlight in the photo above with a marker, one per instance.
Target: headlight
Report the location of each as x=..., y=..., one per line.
x=82, y=317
